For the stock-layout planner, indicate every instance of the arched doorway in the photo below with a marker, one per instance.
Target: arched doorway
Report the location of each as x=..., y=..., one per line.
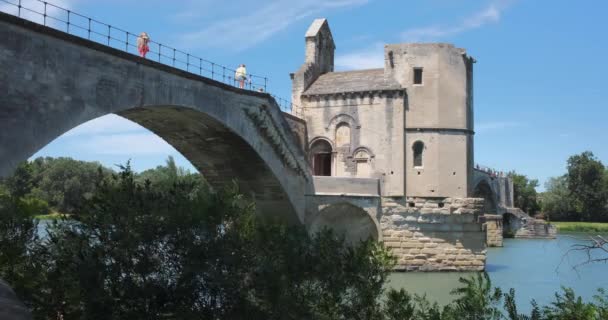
x=321, y=153
x=483, y=190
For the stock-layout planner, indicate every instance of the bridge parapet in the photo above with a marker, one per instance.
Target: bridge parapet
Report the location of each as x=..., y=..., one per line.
x=73, y=23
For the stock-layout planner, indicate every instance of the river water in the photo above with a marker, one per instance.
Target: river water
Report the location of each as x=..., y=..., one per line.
x=534, y=268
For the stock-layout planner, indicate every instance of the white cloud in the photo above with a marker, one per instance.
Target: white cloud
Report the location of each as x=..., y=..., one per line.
x=108, y=124
x=131, y=144
x=374, y=57
x=33, y=10
x=245, y=28
x=490, y=14
x=363, y=59
x=498, y=125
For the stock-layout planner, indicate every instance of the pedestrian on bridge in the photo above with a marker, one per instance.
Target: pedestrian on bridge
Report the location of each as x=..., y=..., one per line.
x=142, y=44
x=241, y=75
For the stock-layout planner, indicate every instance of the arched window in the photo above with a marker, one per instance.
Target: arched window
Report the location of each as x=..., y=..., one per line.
x=418, y=148
x=320, y=152
x=342, y=134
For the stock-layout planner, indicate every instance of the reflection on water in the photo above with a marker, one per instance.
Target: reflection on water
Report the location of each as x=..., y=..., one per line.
x=535, y=268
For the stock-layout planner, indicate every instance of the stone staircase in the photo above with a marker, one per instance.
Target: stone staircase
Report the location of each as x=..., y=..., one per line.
x=522, y=226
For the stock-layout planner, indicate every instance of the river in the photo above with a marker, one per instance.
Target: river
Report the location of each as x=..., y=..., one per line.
x=534, y=268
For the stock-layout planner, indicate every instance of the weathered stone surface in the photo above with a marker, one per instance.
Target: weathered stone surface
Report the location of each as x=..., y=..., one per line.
x=225, y=132
x=436, y=241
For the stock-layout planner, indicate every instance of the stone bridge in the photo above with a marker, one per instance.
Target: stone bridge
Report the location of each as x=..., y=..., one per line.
x=52, y=82
x=501, y=215
x=497, y=191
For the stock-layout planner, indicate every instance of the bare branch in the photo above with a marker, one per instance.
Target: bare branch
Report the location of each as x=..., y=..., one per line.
x=594, y=247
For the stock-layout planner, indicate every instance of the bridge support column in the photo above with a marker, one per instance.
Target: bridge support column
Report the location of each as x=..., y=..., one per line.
x=434, y=234
x=493, y=226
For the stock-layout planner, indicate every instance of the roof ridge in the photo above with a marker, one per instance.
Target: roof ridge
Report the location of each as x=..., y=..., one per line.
x=360, y=70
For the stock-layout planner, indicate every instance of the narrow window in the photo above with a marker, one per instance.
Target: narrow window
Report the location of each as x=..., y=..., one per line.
x=418, y=147
x=417, y=75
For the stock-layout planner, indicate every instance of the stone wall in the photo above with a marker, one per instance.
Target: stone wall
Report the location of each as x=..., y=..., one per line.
x=493, y=226
x=298, y=127
x=519, y=224
x=374, y=122
x=434, y=234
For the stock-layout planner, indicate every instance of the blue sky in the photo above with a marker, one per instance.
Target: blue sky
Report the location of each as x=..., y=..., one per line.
x=539, y=80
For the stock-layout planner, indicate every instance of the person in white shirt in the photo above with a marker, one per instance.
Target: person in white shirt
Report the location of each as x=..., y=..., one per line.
x=241, y=75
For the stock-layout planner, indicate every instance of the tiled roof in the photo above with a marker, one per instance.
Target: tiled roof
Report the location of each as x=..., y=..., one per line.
x=352, y=81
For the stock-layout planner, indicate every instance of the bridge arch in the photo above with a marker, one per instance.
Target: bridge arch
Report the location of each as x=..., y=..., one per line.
x=484, y=190
x=54, y=82
x=347, y=219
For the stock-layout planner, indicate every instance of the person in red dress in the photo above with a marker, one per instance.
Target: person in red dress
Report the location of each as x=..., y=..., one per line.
x=142, y=44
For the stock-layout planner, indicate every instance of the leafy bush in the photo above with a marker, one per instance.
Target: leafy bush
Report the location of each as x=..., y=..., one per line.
x=143, y=250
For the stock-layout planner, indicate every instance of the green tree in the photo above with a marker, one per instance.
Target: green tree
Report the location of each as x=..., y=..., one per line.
x=568, y=306
x=557, y=201
x=524, y=193
x=587, y=185
x=477, y=300
x=165, y=176
x=187, y=253
x=18, y=235
x=66, y=183
x=21, y=182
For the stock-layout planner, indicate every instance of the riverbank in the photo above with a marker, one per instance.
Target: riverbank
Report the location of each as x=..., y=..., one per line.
x=568, y=226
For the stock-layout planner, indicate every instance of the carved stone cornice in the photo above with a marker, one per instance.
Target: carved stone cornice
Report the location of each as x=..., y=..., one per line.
x=270, y=130
x=355, y=94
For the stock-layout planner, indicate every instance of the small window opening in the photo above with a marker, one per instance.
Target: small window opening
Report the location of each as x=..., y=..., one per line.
x=412, y=204
x=441, y=204
x=417, y=75
x=418, y=147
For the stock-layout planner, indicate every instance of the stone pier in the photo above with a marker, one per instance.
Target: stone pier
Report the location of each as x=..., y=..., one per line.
x=493, y=225
x=433, y=234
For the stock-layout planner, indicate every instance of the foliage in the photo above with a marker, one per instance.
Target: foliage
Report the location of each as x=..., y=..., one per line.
x=581, y=194
x=586, y=182
x=557, y=202
x=65, y=183
x=18, y=235
x=524, y=193
x=22, y=181
x=476, y=300
x=187, y=253
x=164, y=177
x=599, y=227
x=172, y=249
x=569, y=306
